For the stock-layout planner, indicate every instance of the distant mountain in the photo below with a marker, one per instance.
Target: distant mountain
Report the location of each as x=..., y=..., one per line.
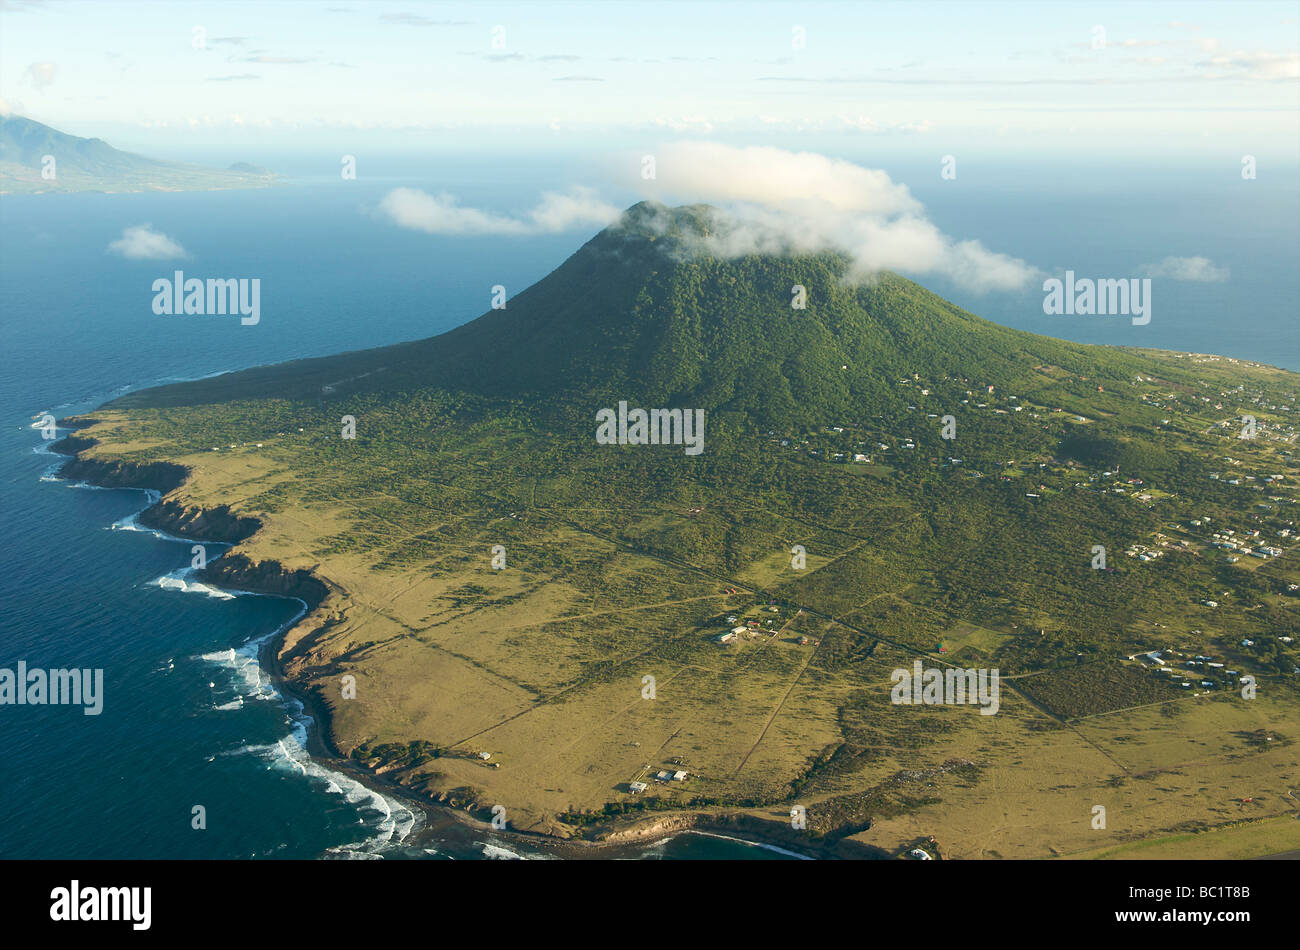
x=36, y=158
x=245, y=168
x=644, y=311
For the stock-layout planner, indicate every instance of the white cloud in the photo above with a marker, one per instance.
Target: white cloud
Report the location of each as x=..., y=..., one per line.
x=414, y=19
x=776, y=178
x=783, y=201
x=686, y=123
x=863, y=123
x=41, y=75
x=1261, y=65
x=440, y=214
x=779, y=202
x=143, y=243
x=1200, y=269
x=578, y=207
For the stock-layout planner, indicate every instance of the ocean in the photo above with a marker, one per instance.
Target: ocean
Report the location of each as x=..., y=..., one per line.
x=190, y=719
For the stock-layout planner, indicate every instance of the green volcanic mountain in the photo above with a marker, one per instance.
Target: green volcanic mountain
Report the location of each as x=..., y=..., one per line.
x=85, y=164
x=885, y=480
x=643, y=311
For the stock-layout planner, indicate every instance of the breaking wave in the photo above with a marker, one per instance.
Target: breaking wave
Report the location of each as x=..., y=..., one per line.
x=180, y=580
x=387, y=821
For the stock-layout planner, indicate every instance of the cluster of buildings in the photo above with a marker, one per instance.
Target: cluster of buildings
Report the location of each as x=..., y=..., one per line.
x=1265, y=481
x=1185, y=670
x=663, y=777
x=1143, y=553
x=748, y=627
x=1225, y=540
x=1248, y=541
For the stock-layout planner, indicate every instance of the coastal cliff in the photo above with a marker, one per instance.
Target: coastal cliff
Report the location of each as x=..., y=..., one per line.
x=267, y=577
x=161, y=477
x=218, y=524
x=202, y=524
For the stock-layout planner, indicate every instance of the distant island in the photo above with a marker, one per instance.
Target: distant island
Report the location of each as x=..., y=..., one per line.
x=602, y=637
x=37, y=159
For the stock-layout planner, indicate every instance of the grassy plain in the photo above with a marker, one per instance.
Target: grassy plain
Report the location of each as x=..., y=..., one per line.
x=543, y=664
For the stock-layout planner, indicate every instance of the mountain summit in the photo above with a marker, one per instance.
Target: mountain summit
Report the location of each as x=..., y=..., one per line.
x=648, y=309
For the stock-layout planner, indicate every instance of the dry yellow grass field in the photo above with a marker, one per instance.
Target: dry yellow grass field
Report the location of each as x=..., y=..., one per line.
x=551, y=682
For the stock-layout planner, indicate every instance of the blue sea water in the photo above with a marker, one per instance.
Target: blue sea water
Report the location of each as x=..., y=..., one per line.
x=189, y=717
x=1108, y=221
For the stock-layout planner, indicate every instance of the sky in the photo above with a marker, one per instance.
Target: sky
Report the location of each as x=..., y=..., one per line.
x=172, y=79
